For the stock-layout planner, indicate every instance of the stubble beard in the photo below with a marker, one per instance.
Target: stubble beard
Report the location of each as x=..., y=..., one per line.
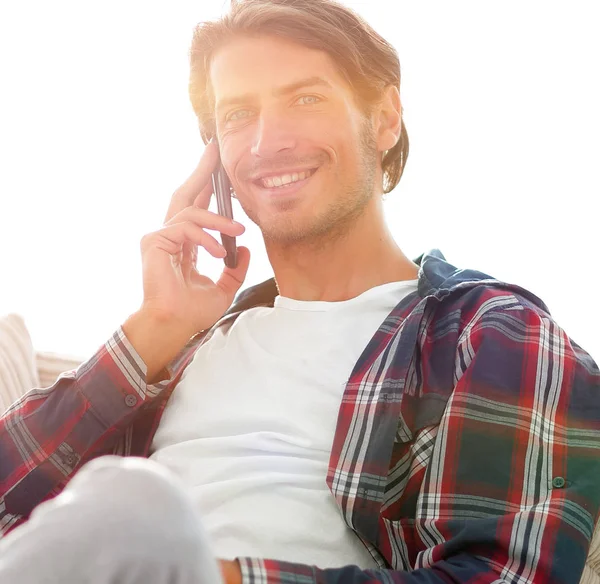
x=337, y=219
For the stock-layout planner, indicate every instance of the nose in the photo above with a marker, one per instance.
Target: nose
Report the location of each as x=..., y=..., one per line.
x=273, y=136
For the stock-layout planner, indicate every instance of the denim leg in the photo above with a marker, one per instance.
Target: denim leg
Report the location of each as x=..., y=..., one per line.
x=119, y=521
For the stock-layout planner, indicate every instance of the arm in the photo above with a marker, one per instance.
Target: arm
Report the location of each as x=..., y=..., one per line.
x=157, y=341
x=511, y=490
x=47, y=434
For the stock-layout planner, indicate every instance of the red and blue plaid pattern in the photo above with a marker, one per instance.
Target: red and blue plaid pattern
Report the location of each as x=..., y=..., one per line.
x=467, y=446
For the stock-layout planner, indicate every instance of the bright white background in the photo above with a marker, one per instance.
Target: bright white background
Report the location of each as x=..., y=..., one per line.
x=501, y=105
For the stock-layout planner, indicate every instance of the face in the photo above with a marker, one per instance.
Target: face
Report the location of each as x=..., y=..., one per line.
x=284, y=114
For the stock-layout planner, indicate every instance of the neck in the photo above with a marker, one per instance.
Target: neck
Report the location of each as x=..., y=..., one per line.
x=343, y=267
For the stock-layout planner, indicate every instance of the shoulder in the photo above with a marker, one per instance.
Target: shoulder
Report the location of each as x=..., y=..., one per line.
x=502, y=319
x=482, y=304
x=506, y=336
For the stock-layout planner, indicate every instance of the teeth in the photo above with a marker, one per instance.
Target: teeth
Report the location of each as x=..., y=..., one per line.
x=278, y=181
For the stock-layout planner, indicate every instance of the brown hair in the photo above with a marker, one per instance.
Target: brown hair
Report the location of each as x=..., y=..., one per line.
x=366, y=60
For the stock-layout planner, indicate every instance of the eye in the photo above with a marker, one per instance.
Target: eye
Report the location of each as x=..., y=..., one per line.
x=241, y=114
x=310, y=97
x=234, y=115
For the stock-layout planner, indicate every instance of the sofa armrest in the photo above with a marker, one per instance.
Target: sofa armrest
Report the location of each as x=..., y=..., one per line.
x=51, y=365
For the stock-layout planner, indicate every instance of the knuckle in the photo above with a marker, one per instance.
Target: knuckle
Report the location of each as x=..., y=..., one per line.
x=180, y=217
x=196, y=212
x=193, y=230
x=177, y=195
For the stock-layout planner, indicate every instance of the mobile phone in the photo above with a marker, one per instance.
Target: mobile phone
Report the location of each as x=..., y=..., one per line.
x=222, y=190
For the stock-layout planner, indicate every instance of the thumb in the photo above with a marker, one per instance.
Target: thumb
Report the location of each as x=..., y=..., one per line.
x=231, y=279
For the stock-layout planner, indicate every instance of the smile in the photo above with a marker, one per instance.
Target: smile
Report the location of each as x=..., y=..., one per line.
x=270, y=182
x=286, y=183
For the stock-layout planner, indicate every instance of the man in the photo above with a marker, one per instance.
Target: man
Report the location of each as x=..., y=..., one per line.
x=359, y=418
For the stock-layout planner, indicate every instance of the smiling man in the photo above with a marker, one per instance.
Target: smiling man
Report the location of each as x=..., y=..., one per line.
x=304, y=156
x=359, y=417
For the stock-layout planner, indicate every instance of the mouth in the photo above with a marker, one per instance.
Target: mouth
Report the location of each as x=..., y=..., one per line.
x=284, y=184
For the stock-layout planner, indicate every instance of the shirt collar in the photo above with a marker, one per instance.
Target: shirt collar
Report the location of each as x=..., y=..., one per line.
x=437, y=278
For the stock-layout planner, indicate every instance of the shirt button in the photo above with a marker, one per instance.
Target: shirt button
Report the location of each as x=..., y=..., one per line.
x=131, y=400
x=558, y=482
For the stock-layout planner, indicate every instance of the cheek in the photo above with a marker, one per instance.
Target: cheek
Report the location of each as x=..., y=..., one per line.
x=231, y=157
x=342, y=138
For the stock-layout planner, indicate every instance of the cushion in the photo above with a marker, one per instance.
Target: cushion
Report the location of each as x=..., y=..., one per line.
x=51, y=365
x=18, y=370
x=591, y=572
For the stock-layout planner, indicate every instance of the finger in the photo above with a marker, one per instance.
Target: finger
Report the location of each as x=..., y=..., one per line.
x=202, y=201
x=208, y=220
x=189, y=257
x=190, y=250
x=199, y=179
x=232, y=279
x=173, y=237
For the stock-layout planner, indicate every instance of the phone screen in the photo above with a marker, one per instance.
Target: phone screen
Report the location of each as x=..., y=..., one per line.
x=222, y=190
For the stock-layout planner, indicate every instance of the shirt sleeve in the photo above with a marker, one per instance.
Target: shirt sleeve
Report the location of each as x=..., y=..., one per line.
x=511, y=490
x=48, y=434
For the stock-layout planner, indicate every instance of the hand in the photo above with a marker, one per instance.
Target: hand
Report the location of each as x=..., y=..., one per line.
x=230, y=569
x=173, y=287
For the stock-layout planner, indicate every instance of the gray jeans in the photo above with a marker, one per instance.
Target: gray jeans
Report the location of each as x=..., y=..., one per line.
x=118, y=521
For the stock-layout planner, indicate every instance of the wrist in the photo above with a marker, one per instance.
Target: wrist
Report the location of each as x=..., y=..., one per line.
x=231, y=571
x=157, y=341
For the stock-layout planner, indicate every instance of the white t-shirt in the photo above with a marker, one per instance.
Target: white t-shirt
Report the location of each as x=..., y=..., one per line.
x=250, y=427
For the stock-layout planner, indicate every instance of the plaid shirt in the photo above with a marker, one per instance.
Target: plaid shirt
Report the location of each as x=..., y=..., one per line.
x=467, y=446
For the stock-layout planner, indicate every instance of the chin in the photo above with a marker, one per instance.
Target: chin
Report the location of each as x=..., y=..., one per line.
x=279, y=227
x=284, y=232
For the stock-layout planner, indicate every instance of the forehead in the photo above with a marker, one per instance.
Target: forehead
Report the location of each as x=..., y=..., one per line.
x=257, y=65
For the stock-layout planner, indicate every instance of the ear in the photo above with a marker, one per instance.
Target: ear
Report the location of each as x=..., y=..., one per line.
x=389, y=122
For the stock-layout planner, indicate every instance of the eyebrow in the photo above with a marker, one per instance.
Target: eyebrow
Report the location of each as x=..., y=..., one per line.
x=279, y=92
